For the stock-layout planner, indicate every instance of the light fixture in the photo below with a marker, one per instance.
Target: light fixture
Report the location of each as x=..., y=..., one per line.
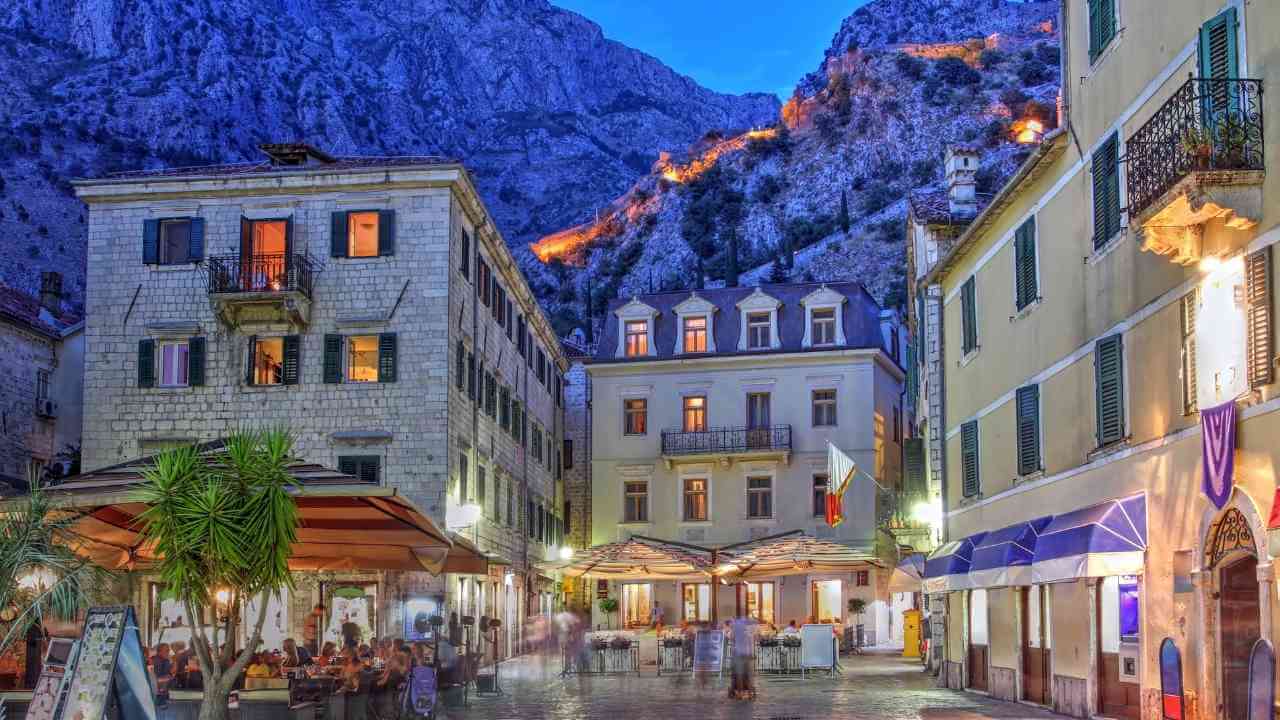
x=726, y=569
x=38, y=579
x=566, y=553
x=927, y=513
x=1210, y=263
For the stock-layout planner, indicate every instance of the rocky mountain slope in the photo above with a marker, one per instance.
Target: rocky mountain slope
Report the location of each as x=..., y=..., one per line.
x=552, y=118
x=821, y=193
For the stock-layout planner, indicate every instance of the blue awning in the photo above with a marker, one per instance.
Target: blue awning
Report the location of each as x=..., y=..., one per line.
x=908, y=575
x=947, y=568
x=1004, y=556
x=1109, y=538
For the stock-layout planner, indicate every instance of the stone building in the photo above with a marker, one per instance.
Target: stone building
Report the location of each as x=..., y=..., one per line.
x=577, y=456
x=41, y=385
x=367, y=304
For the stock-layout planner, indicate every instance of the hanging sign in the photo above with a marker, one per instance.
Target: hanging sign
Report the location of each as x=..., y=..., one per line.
x=1218, y=449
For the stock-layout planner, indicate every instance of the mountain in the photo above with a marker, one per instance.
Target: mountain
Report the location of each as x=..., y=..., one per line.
x=552, y=118
x=820, y=194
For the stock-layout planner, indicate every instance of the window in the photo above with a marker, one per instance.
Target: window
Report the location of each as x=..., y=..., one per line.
x=42, y=384
x=635, y=507
x=1259, y=342
x=969, y=458
x=504, y=408
x=1026, y=289
x=758, y=600
x=695, y=499
x=1028, y=409
x=862, y=578
x=535, y=444
x=515, y=419
x=500, y=305
x=542, y=524
x=823, y=330
x=568, y=455
x=635, y=415
x=1106, y=192
x=759, y=333
x=520, y=337
x=542, y=367
x=490, y=395
x=173, y=363
x=1102, y=26
x=820, y=495
x=759, y=497
x=969, y=315
x=362, y=359
x=471, y=376
x=559, y=390
x=695, y=602
x=695, y=334
x=757, y=411
x=366, y=468
x=464, y=255
x=695, y=413
x=481, y=488
x=175, y=242
x=172, y=241
x=637, y=338
x=482, y=281
x=273, y=360
x=511, y=504
x=362, y=234
x=460, y=371
x=463, y=478
x=897, y=425
x=824, y=408
x=529, y=515
x=1108, y=367
x=510, y=322
x=1189, y=307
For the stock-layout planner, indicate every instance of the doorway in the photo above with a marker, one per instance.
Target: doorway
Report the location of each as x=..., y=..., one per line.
x=1035, y=644
x=637, y=601
x=978, y=640
x=264, y=254
x=1240, y=615
x=695, y=603
x=825, y=601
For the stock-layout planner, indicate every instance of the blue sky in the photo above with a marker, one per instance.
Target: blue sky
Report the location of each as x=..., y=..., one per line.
x=744, y=46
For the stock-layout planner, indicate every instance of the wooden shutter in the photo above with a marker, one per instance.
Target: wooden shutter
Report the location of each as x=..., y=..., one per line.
x=465, y=256
x=1106, y=192
x=1024, y=245
x=1190, y=306
x=386, y=232
x=195, y=242
x=969, y=457
x=291, y=349
x=471, y=376
x=1095, y=27
x=349, y=465
x=150, y=242
x=1028, y=408
x=1219, y=56
x=370, y=467
x=195, y=360
x=146, y=363
x=461, y=366
x=1108, y=364
x=913, y=449
x=387, y=357
x=333, y=358
x=249, y=366
x=338, y=235
x=969, y=314
x=1260, y=346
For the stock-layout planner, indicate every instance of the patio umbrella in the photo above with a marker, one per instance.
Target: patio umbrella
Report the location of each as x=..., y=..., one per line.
x=791, y=554
x=638, y=558
x=908, y=575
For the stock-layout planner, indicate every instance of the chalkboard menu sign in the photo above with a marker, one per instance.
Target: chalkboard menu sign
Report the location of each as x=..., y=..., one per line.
x=109, y=666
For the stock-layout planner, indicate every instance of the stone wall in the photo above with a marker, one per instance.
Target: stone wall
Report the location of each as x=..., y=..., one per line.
x=578, y=477
x=23, y=436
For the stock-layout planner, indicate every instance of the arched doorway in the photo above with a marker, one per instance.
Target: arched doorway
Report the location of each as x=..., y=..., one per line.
x=1231, y=552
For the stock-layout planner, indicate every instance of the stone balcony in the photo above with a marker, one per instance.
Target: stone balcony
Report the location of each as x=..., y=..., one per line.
x=1199, y=158
x=254, y=290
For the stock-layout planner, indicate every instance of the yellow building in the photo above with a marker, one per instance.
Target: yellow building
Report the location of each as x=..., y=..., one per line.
x=1117, y=286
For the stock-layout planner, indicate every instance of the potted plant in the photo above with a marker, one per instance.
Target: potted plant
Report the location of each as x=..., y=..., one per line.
x=1197, y=143
x=609, y=606
x=1233, y=141
x=857, y=606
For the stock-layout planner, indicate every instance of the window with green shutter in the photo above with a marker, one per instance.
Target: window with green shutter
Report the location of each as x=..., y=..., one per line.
x=969, y=315
x=1106, y=192
x=146, y=363
x=1260, y=345
x=1108, y=366
x=464, y=255
x=1028, y=409
x=471, y=376
x=913, y=451
x=1219, y=53
x=1026, y=287
x=333, y=358
x=969, y=458
x=387, y=364
x=365, y=468
x=290, y=367
x=196, y=352
x=460, y=369
x=1189, y=308
x=1102, y=26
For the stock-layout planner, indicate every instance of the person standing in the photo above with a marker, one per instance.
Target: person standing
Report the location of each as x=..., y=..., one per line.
x=742, y=645
x=311, y=629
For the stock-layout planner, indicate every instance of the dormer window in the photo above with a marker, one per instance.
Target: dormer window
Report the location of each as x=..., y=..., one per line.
x=758, y=322
x=822, y=329
x=759, y=335
x=824, y=326
x=637, y=338
x=695, y=325
x=695, y=334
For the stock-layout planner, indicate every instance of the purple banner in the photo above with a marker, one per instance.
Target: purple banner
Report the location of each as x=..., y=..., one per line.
x=1218, y=433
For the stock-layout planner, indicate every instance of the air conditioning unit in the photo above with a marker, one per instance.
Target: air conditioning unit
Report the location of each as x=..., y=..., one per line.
x=46, y=408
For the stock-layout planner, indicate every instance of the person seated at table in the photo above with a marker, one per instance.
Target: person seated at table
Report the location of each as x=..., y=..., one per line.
x=258, y=667
x=364, y=652
x=791, y=629
x=328, y=654
x=351, y=671
x=386, y=689
x=162, y=669
x=294, y=654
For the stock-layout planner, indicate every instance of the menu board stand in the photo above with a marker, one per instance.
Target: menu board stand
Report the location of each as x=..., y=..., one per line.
x=109, y=667
x=51, y=689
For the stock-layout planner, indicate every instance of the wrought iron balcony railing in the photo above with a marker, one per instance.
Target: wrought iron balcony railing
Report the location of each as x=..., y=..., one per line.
x=261, y=273
x=726, y=440
x=1208, y=124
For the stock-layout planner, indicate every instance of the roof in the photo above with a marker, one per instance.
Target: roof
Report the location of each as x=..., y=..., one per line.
x=933, y=207
x=636, y=558
x=24, y=309
x=861, y=320
x=266, y=167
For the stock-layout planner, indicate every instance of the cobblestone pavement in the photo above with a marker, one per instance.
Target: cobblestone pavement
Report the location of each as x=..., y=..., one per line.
x=871, y=686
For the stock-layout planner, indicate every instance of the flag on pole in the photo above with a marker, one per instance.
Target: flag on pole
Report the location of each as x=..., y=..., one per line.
x=840, y=470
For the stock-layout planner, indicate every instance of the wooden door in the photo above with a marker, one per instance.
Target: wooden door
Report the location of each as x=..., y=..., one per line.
x=1035, y=646
x=1241, y=626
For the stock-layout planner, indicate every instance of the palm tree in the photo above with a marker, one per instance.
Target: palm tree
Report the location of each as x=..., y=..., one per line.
x=222, y=528
x=41, y=575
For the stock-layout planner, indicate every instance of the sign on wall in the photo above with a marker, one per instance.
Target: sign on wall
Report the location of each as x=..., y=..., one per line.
x=602, y=589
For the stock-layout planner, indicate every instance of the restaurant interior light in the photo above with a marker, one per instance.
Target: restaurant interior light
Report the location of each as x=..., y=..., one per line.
x=566, y=553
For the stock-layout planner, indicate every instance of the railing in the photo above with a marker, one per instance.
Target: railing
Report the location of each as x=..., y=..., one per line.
x=726, y=440
x=1208, y=124
x=260, y=273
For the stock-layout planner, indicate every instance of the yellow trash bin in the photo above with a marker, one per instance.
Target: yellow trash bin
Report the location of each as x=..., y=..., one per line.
x=911, y=633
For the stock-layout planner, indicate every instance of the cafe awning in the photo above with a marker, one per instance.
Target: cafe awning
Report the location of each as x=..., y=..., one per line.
x=346, y=525
x=1003, y=557
x=637, y=558
x=793, y=553
x=908, y=575
x=1109, y=538
x=947, y=568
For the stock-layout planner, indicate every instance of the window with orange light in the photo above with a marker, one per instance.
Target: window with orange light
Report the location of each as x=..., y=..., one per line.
x=362, y=234
x=362, y=358
x=637, y=338
x=695, y=334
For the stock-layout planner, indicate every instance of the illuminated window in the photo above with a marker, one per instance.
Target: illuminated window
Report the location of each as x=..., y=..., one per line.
x=173, y=363
x=267, y=245
x=268, y=361
x=695, y=499
x=362, y=358
x=637, y=337
x=823, y=331
x=695, y=413
x=695, y=334
x=362, y=234
x=760, y=497
x=636, y=505
x=695, y=603
x=824, y=408
x=862, y=578
x=758, y=600
x=759, y=334
x=635, y=416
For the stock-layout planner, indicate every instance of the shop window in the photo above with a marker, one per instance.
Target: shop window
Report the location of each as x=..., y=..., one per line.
x=758, y=600
x=695, y=604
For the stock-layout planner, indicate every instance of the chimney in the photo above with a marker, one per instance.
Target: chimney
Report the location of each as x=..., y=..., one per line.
x=51, y=292
x=294, y=154
x=962, y=171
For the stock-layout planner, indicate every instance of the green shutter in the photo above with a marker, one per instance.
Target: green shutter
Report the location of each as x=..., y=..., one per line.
x=365, y=468
x=291, y=350
x=253, y=351
x=338, y=235
x=1260, y=345
x=1190, y=306
x=1219, y=55
x=969, y=314
x=386, y=232
x=1028, y=409
x=969, y=458
x=464, y=252
x=1108, y=363
x=146, y=363
x=1106, y=192
x=150, y=242
x=913, y=449
x=1024, y=244
x=348, y=465
x=333, y=358
x=461, y=366
x=471, y=376
x=195, y=243
x=1102, y=26
x=387, y=357
x=195, y=360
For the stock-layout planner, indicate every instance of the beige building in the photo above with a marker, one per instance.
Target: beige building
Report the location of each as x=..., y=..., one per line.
x=711, y=411
x=1102, y=317
x=369, y=305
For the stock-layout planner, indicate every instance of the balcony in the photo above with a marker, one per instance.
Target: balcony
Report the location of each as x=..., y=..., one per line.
x=261, y=289
x=725, y=444
x=1199, y=158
